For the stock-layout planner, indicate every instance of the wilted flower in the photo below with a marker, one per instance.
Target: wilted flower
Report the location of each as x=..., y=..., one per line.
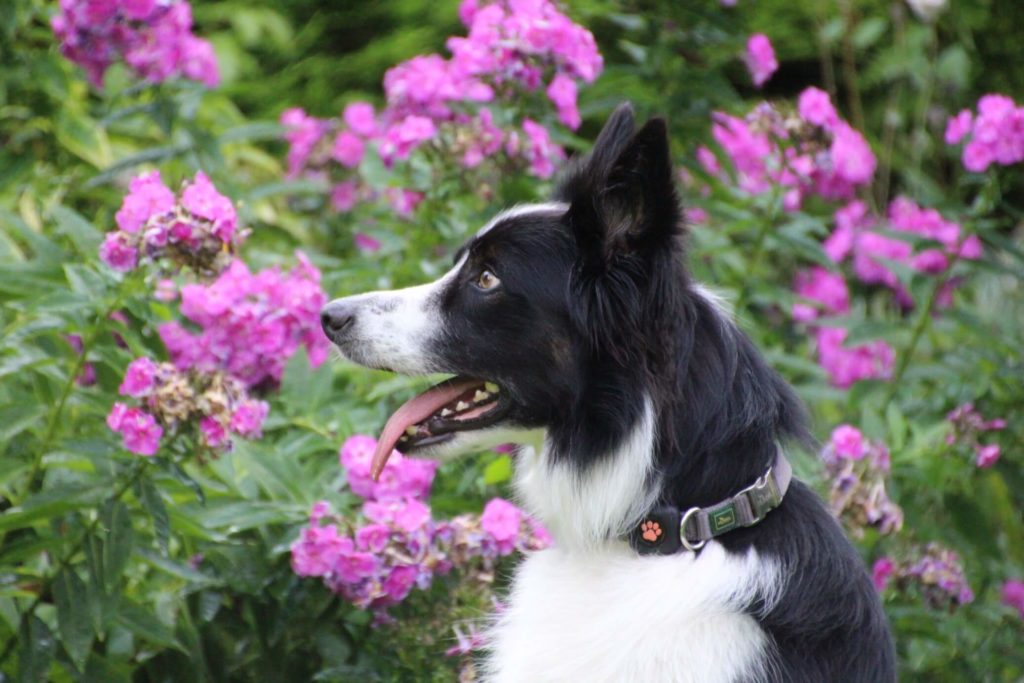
x=171, y=400
x=932, y=571
x=153, y=38
x=197, y=230
x=939, y=575
x=401, y=546
x=858, y=470
x=967, y=427
x=812, y=151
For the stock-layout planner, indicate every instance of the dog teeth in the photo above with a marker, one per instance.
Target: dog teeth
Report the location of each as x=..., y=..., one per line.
x=480, y=396
x=411, y=430
x=461, y=405
x=445, y=412
x=491, y=387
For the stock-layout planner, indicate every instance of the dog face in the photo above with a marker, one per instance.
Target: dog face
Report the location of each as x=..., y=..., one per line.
x=534, y=301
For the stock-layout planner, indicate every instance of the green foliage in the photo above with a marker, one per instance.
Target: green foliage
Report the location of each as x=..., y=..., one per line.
x=115, y=567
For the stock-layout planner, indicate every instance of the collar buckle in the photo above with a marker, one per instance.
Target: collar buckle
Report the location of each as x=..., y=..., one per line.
x=763, y=496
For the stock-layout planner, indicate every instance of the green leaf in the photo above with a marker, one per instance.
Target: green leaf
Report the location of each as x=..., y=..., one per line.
x=498, y=470
x=302, y=386
x=73, y=618
x=897, y=427
x=80, y=231
x=149, y=155
x=83, y=137
x=151, y=499
x=147, y=626
x=35, y=652
x=868, y=32
x=177, y=569
x=117, y=544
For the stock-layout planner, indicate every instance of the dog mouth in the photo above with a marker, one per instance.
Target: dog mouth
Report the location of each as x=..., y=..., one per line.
x=455, y=405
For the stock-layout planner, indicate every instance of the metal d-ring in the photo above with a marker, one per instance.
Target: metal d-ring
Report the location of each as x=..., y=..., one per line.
x=692, y=547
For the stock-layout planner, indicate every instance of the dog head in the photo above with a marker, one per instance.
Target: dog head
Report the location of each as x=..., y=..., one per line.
x=546, y=307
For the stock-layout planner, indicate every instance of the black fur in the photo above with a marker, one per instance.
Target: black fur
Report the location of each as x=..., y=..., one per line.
x=603, y=313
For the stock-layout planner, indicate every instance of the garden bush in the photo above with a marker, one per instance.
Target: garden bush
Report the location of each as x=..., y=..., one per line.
x=184, y=475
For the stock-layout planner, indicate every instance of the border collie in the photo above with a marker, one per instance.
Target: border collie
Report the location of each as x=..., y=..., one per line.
x=651, y=432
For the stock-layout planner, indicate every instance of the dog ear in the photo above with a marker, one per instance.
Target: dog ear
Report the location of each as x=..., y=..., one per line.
x=625, y=214
x=623, y=200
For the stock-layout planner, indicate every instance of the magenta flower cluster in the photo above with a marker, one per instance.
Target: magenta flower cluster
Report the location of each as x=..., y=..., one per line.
x=966, y=429
x=153, y=37
x=398, y=545
x=994, y=136
x=859, y=237
x=934, y=571
x=171, y=400
x=514, y=48
x=823, y=293
x=760, y=59
x=858, y=470
x=250, y=324
x=1013, y=595
x=809, y=152
x=197, y=229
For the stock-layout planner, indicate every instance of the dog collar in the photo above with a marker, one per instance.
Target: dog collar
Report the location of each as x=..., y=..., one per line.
x=665, y=530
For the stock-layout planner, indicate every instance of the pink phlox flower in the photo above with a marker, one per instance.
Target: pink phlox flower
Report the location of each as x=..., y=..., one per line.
x=562, y=91
x=826, y=289
x=202, y=199
x=882, y=571
x=373, y=537
x=360, y=118
x=398, y=584
x=139, y=430
x=815, y=106
x=1013, y=595
x=117, y=252
x=760, y=59
x=348, y=149
x=987, y=454
x=847, y=365
x=366, y=243
x=848, y=442
x=501, y=519
x=540, y=151
x=317, y=549
x=139, y=377
x=147, y=197
x=248, y=418
x=344, y=196
x=958, y=127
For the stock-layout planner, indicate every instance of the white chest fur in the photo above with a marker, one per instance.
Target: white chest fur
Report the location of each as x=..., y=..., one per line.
x=610, y=615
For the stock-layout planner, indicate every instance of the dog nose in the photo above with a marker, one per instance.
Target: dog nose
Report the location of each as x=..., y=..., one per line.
x=336, y=317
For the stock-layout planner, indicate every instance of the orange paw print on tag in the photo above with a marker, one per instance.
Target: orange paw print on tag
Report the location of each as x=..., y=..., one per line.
x=651, y=531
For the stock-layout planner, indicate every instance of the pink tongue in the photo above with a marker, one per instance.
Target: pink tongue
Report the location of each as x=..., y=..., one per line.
x=416, y=409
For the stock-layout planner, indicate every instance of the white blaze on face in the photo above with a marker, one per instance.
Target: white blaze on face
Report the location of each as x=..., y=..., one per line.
x=394, y=329
x=523, y=210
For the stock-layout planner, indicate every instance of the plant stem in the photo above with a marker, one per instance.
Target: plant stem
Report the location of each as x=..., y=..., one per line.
x=850, y=67
x=37, y=474
x=918, y=331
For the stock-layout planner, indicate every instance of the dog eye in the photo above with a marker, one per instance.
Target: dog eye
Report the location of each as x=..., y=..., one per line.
x=487, y=280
